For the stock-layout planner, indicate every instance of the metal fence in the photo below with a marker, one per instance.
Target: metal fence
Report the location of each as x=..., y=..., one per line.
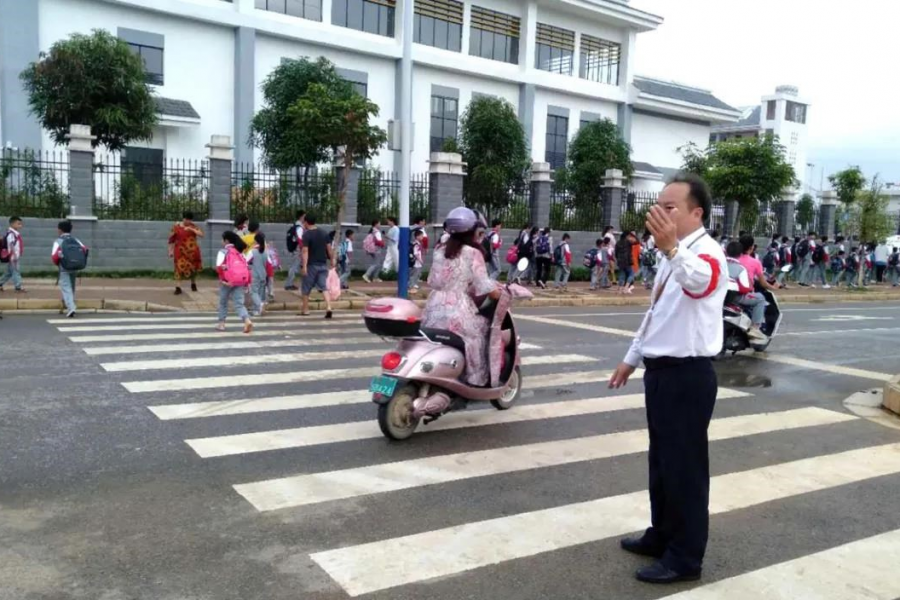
x=150, y=192
x=275, y=196
x=34, y=183
x=635, y=206
x=515, y=213
x=568, y=212
x=378, y=196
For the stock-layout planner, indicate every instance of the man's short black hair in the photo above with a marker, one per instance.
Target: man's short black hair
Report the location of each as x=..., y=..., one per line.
x=349, y=233
x=698, y=191
x=14, y=220
x=253, y=227
x=734, y=249
x=240, y=220
x=566, y=236
x=496, y=223
x=65, y=226
x=747, y=241
x=311, y=219
x=419, y=219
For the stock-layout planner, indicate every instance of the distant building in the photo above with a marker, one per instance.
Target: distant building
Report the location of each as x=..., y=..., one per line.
x=783, y=114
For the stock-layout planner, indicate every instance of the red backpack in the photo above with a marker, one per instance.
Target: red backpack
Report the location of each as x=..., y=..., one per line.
x=235, y=270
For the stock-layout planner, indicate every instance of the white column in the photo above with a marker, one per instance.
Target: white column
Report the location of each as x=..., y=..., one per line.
x=466, y=27
x=326, y=11
x=576, y=55
x=626, y=62
x=528, y=36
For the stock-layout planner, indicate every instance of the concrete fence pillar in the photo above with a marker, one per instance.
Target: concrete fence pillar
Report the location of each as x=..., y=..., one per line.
x=612, y=197
x=351, y=199
x=731, y=216
x=541, y=184
x=81, y=171
x=784, y=214
x=446, y=171
x=827, y=213
x=221, y=155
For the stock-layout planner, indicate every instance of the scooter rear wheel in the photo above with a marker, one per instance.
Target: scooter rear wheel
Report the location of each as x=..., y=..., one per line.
x=395, y=418
x=510, y=396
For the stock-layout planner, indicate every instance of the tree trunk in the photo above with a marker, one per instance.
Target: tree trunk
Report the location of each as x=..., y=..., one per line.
x=342, y=190
x=736, y=226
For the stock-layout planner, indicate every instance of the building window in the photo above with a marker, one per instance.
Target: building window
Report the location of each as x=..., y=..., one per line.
x=599, y=60
x=153, y=61
x=438, y=23
x=795, y=138
x=555, y=49
x=494, y=35
x=557, y=141
x=305, y=9
x=770, y=110
x=145, y=165
x=795, y=112
x=371, y=16
x=444, y=118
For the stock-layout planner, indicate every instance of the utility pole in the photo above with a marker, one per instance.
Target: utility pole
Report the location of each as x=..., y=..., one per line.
x=406, y=142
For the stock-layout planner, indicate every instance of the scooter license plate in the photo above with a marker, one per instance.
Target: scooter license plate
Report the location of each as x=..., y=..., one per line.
x=383, y=385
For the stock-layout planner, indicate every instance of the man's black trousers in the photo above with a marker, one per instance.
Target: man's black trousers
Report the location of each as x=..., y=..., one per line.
x=680, y=395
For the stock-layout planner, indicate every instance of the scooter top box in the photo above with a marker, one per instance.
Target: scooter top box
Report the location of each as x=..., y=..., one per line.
x=393, y=317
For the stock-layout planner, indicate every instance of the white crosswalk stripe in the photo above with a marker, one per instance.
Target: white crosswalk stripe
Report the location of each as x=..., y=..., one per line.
x=336, y=485
x=217, y=408
x=217, y=381
x=235, y=332
x=326, y=359
x=353, y=316
x=854, y=570
x=359, y=430
x=374, y=566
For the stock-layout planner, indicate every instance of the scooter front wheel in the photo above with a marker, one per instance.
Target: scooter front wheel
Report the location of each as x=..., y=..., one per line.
x=396, y=417
x=511, y=394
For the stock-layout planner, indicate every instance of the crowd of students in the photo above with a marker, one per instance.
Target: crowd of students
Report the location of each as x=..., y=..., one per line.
x=816, y=261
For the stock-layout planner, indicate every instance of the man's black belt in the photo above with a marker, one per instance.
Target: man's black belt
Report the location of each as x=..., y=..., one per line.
x=667, y=362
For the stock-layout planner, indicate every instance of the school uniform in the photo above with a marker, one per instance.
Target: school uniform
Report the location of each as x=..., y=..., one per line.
x=15, y=248
x=679, y=335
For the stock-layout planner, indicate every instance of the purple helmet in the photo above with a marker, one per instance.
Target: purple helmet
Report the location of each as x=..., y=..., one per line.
x=462, y=220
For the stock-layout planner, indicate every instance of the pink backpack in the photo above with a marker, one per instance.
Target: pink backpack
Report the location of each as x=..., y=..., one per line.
x=235, y=271
x=369, y=244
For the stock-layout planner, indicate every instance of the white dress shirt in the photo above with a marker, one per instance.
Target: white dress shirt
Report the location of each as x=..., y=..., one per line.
x=686, y=320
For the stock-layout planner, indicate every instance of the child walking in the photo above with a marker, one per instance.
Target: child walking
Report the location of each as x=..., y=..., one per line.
x=234, y=277
x=562, y=257
x=345, y=258
x=373, y=245
x=10, y=253
x=418, y=259
x=259, y=276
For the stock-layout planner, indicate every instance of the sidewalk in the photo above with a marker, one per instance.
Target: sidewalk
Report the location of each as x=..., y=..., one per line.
x=158, y=295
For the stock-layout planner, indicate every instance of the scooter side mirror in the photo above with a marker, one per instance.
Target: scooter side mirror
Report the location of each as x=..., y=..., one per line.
x=522, y=264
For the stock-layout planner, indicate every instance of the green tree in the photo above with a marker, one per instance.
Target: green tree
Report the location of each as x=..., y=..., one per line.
x=492, y=142
x=331, y=121
x=91, y=80
x=806, y=213
x=748, y=170
x=595, y=148
x=847, y=184
x=873, y=223
x=694, y=159
x=274, y=130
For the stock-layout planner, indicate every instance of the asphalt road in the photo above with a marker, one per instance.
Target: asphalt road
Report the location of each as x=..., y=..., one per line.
x=126, y=478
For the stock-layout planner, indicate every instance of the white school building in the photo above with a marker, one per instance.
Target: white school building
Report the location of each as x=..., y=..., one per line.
x=560, y=63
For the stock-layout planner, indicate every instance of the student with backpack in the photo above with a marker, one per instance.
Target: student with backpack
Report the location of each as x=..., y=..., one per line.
x=293, y=243
x=804, y=254
x=893, y=267
x=70, y=255
x=345, y=258
x=562, y=258
x=259, y=260
x=373, y=244
x=524, y=249
x=11, y=248
x=771, y=261
x=851, y=268
x=392, y=247
x=837, y=266
x=492, y=243
x=416, y=259
x=599, y=261
x=784, y=258
x=820, y=260
x=234, y=277
x=543, y=252
x=624, y=261
x=648, y=261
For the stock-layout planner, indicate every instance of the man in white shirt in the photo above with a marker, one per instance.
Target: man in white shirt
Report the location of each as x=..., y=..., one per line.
x=680, y=333
x=295, y=247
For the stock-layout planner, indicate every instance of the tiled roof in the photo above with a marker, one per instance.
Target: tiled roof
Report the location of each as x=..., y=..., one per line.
x=683, y=93
x=175, y=108
x=644, y=167
x=751, y=121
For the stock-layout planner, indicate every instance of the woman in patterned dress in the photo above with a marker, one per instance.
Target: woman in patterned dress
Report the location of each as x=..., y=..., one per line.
x=458, y=269
x=183, y=247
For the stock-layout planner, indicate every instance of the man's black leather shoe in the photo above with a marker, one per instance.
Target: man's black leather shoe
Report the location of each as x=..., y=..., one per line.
x=637, y=545
x=659, y=573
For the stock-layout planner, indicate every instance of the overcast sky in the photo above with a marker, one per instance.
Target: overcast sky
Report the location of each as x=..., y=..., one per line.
x=842, y=56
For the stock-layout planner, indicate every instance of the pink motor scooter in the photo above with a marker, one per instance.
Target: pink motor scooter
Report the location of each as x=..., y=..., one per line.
x=422, y=377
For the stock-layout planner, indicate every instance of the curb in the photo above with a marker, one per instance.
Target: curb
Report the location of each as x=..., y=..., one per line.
x=37, y=304
x=891, y=397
